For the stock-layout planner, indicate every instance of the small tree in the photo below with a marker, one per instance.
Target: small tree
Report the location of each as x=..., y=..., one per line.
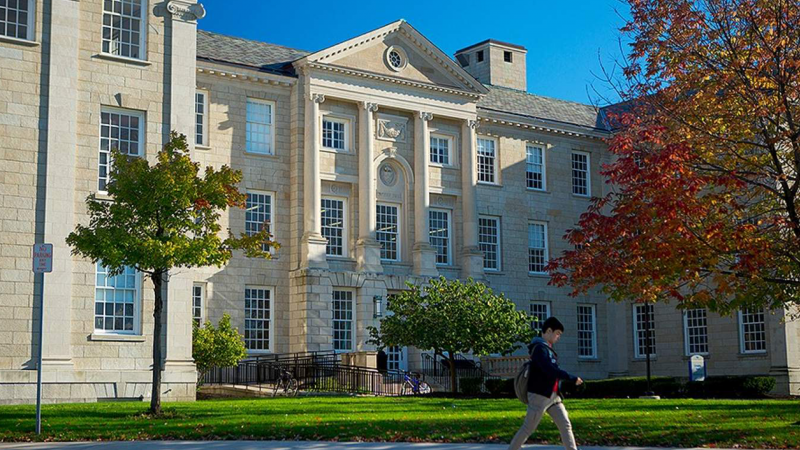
x=216, y=347
x=451, y=317
x=164, y=217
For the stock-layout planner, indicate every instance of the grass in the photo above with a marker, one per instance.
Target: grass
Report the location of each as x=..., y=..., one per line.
x=678, y=423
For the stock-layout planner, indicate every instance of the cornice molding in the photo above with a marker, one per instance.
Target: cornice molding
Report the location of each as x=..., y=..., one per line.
x=402, y=82
x=536, y=125
x=274, y=80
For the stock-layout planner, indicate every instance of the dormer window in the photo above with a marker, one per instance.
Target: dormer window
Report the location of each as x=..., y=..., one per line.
x=396, y=58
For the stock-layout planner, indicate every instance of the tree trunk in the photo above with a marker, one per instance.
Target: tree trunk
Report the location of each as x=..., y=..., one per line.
x=155, y=397
x=453, y=378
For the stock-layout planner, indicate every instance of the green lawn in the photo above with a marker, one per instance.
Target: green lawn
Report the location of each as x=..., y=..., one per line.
x=680, y=423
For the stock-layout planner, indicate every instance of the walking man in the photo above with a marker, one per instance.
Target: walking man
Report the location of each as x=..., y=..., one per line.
x=544, y=381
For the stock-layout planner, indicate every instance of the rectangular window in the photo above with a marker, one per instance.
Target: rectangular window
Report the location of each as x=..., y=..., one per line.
x=258, y=214
x=640, y=329
x=124, y=28
x=198, y=300
x=333, y=226
x=580, y=174
x=440, y=150
x=116, y=301
x=201, y=118
x=487, y=158
x=489, y=241
x=388, y=231
x=120, y=130
x=343, y=321
x=439, y=226
x=16, y=19
x=752, y=331
x=537, y=247
x=258, y=130
x=540, y=311
x=695, y=331
x=334, y=133
x=257, y=319
x=587, y=336
x=534, y=172
x=479, y=55
x=507, y=57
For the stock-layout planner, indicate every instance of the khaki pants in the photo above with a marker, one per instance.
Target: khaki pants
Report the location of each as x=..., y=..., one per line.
x=537, y=406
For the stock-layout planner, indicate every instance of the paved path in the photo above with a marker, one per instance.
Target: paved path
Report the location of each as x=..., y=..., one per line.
x=281, y=445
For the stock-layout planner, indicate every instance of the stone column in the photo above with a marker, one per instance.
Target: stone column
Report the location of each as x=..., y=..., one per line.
x=368, y=251
x=181, y=55
x=59, y=199
x=424, y=254
x=313, y=245
x=783, y=351
x=471, y=257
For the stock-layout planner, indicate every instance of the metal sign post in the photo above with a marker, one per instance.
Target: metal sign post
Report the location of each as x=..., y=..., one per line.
x=42, y=263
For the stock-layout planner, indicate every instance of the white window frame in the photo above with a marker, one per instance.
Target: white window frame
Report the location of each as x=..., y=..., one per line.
x=345, y=120
x=345, y=225
x=449, y=235
x=686, y=336
x=639, y=352
x=588, y=173
x=271, y=104
x=137, y=305
x=353, y=338
x=142, y=33
x=204, y=143
x=272, y=208
x=537, y=324
x=495, y=174
x=399, y=229
x=498, y=244
x=742, y=334
x=271, y=332
x=593, y=309
x=544, y=166
x=450, y=153
x=109, y=160
x=546, y=247
x=202, y=298
x=29, y=24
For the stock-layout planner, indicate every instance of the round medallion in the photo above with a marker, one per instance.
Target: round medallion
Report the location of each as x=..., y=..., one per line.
x=396, y=58
x=388, y=175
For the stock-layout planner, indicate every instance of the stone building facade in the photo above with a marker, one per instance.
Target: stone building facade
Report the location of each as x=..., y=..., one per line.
x=377, y=161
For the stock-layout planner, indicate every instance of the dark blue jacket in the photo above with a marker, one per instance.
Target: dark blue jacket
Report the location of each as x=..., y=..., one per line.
x=544, y=369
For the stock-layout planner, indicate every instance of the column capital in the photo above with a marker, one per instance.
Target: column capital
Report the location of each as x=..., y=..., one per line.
x=371, y=107
x=186, y=11
x=474, y=124
x=426, y=116
x=317, y=98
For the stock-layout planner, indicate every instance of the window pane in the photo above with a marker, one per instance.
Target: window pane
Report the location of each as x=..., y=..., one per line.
x=535, y=167
x=643, y=314
x=486, y=160
x=540, y=312
x=753, y=331
x=580, y=174
x=388, y=231
x=259, y=127
x=586, y=331
x=333, y=134
x=257, y=318
x=489, y=241
x=333, y=226
x=343, y=320
x=118, y=131
x=258, y=214
x=116, y=301
x=440, y=150
x=200, y=118
x=123, y=28
x=696, y=331
x=537, y=248
x=439, y=224
x=14, y=19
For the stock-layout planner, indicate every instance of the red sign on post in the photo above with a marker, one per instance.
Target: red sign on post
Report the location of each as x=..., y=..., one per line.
x=42, y=258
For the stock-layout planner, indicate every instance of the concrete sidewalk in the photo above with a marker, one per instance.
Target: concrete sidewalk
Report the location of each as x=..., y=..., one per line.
x=282, y=445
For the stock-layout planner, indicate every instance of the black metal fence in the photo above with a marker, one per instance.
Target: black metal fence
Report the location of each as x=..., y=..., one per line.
x=436, y=368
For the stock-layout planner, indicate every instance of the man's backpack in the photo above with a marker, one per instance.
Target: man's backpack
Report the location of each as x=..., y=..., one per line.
x=521, y=382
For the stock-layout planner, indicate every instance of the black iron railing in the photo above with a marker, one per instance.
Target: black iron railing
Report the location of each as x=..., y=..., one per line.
x=436, y=368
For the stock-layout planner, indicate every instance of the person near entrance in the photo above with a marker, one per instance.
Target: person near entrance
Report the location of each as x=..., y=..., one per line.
x=544, y=385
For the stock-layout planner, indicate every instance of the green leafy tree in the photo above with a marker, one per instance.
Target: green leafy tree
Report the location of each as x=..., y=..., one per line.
x=451, y=317
x=216, y=347
x=163, y=217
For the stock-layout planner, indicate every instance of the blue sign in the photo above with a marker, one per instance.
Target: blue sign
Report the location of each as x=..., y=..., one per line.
x=697, y=368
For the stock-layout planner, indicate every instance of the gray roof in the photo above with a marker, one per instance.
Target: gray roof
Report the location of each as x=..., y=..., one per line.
x=535, y=106
x=244, y=52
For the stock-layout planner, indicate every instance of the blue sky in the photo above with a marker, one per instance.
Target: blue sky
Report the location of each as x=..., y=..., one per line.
x=566, y=39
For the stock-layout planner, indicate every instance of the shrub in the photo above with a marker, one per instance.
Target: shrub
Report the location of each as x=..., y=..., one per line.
x=216, y=347
x=500, y=387
x=731, y=387
x=672, y=387
x=471, y=385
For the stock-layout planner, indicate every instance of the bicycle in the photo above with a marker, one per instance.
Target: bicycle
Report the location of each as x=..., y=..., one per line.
x=288, y=383
x=413, y=385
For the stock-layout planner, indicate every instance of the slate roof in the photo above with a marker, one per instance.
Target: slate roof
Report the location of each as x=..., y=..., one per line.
x=244, y=52
x=535, y=106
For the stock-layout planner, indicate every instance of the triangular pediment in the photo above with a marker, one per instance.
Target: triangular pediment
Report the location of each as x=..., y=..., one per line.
x=421, y=61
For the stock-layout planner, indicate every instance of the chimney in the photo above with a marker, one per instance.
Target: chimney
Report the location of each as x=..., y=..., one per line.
x=496, y=63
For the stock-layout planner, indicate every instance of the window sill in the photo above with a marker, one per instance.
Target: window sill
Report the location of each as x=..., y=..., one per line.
x=538, y=274
x=538, y=191
x=18, y=41
x=442, y=166
x=261, y=155
x=490, y=185
x=493, y=272
x=398, y=263
x=103, y=196
x=336, y=150
x=116, y=337
x=340, y=258
x=643, y=359
x=763, y=354
x=123, y=59
x=589, y=360
x=202, y=147
x=584, y=197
